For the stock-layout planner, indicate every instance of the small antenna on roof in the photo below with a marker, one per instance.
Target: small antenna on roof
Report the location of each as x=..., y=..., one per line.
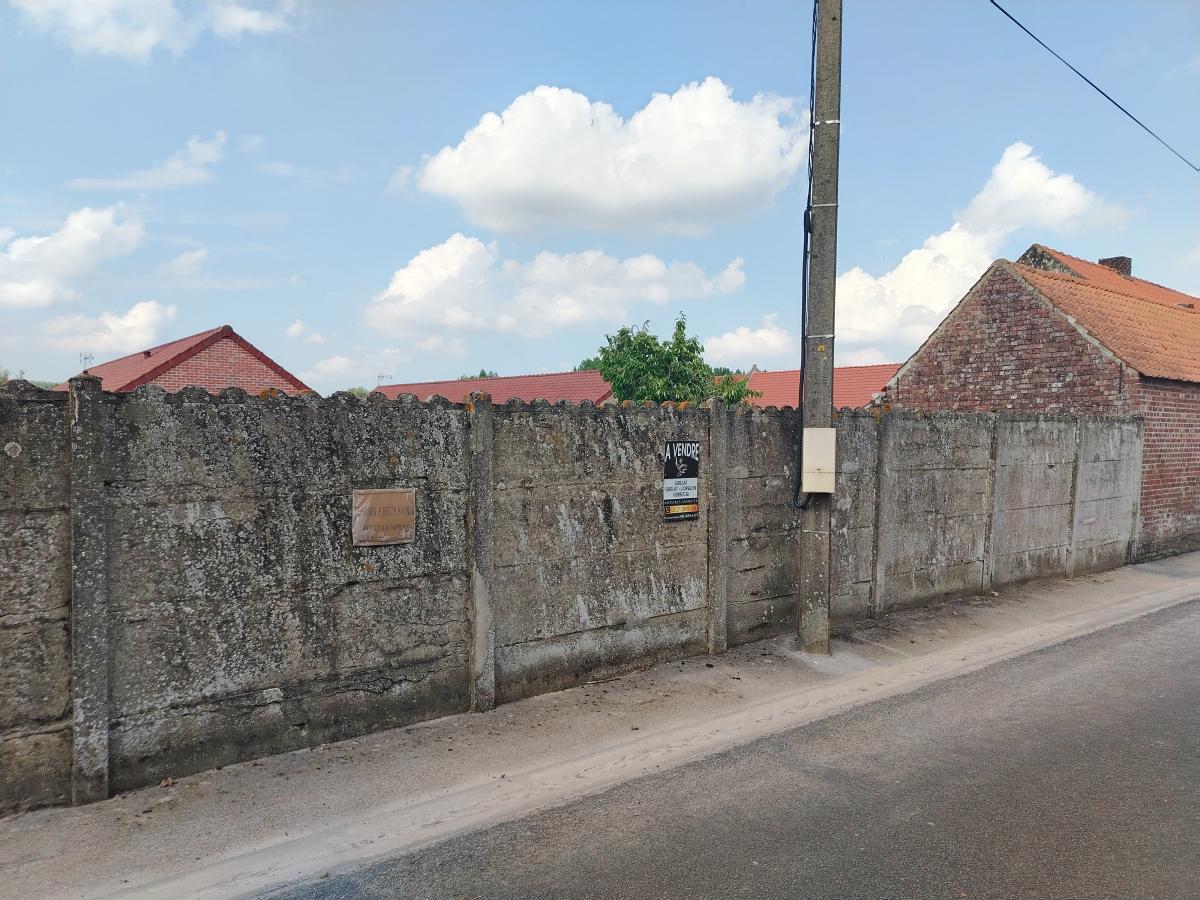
x=381, y=378
x=86, y=360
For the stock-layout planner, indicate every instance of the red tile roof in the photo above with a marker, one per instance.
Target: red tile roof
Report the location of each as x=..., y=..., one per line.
x=1158, y=339
x=574, y=387
x=1104, y=277
x=136, y=369
x=853, y=386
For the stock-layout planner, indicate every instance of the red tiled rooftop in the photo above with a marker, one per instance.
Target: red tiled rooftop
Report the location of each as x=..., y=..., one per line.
x=1157, y=339
x=1130, y=286
x=853, y=386
x=574, y=387
x=136, y=369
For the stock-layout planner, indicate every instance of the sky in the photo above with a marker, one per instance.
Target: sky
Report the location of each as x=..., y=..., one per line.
x=385, y=192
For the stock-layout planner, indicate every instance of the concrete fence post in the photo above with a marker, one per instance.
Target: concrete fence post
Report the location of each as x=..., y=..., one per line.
x=481, y=433
x=90, y=667
x=1072, y=523
x=720, y=463
x=993, y=499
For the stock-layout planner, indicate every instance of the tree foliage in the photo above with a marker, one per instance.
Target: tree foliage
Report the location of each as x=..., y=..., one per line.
x=5, y=375
x=483, y=373
x=591, y=364
x=641, y=367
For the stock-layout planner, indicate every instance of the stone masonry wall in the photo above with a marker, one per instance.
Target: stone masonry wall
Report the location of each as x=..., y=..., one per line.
x=179, y=587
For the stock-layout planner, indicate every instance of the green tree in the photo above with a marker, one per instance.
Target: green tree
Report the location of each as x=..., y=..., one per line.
x=640, y=367
x=591, y=364
x=358, y=391
x=483, y=373
x=5, y=374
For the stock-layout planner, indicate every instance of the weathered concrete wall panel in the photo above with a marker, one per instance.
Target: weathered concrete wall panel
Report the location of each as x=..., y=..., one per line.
x=35, y=597
x=243, y=621
x=763, y=530
x=935, y=504
x=1107, y=494
x=588, y=578
x=1035, y=478
x=853, y=520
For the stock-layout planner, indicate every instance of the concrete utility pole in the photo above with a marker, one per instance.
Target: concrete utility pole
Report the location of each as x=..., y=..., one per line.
x=813, y=606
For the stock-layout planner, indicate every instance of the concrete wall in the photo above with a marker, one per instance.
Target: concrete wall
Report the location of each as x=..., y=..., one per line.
x=756, y=551
x=179, y=587
x=588, y=579
x=35, y=597
x=242, y=621
x=951, y=504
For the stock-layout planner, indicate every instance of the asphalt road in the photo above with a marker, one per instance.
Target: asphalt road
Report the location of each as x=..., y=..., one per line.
x=1071, y=772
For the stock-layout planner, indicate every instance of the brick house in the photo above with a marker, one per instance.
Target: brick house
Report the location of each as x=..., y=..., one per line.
x=1052, y=332
x=213, y=359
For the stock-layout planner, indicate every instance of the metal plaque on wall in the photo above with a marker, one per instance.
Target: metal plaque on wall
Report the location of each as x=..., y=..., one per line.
x=384, y=517
x=681, y=481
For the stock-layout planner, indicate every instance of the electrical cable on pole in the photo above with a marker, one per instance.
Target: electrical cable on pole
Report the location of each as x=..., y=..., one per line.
x=1097, y=87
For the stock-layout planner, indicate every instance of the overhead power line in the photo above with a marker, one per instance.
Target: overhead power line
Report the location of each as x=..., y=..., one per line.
x=1097, y=87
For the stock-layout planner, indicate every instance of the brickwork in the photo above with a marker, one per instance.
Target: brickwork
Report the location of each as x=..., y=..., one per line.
x=1170, y=512
x=225, y=364
x=1005, y=348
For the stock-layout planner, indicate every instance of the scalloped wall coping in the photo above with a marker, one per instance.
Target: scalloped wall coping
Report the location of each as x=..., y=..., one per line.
x=22, y=390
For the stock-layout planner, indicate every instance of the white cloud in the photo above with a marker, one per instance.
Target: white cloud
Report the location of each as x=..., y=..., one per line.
x=864, y=356
x=35, y=271
x=186, y=264
x=305, y=174
x=330, y=367
x=190, y=166
x=686, y=160
x=442, y=345
x=745, y=346
x=232, y=20
x=298, y=330
x=899, y=309
x=401, y=179
x=252, y=143
x=137, y=329
x=134, y=29
x=464, y=284
x=1192, y=258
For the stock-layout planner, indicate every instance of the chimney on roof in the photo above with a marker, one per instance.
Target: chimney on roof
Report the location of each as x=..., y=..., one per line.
x=146, y=353
x=1122, y=265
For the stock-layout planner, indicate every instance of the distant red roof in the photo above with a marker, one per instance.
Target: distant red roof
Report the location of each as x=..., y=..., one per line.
x=146, y=366
x=853, y=386
x=574, y=387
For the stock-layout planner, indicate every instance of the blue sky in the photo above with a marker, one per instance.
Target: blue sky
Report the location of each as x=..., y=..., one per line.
x=322, y=177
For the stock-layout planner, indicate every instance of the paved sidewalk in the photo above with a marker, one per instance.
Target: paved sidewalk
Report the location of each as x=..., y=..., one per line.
x=297, y=816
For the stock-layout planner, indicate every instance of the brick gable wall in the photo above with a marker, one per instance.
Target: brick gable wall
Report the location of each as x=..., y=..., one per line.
x=1170, y=506
x=1004, y=348
x=224, y=364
